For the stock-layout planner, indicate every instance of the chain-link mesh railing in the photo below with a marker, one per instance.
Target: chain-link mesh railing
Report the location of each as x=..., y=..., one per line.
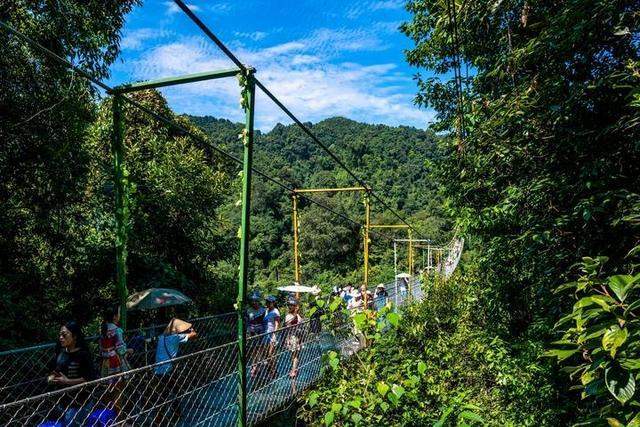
x=23, y=372
x=200, y=387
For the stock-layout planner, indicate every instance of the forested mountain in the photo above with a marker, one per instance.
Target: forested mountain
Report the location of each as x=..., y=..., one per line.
x=393, y=160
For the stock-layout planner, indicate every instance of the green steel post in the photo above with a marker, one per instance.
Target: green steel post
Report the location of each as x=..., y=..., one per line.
x=122, y=207
x=248, y=103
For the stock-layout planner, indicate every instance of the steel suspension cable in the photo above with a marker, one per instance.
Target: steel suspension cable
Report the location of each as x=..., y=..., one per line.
x=288, y=112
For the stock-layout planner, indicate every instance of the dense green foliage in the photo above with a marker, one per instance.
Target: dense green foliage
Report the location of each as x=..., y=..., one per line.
x=551, y=159
x=547, y=171
x=438, y=365
x=45, y=114
x=600, y=342
x=550, y=162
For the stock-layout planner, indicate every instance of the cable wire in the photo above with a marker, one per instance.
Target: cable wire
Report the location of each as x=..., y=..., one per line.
x=288, y=112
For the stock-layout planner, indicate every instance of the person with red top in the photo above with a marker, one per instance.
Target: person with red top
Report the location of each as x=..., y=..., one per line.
x=113, y=349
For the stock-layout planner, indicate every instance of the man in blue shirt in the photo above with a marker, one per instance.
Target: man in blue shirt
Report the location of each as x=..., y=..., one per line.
x=177, y=332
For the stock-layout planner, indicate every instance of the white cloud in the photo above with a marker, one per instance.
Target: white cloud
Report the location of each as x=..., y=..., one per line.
x=173, y=8
x=304, y=59
x=301, y=78
x=220, y=7
x=255, y=36
x=366, y=7
x=387, y=5
x=388, y=26
x=331, y=41
x=135, y=39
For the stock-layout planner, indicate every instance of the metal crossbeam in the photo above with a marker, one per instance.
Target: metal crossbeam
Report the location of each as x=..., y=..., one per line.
x=296, y=226
x=172, y=81
x=328, y=190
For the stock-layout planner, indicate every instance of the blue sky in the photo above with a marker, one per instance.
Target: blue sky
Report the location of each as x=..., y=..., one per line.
x=321, y=58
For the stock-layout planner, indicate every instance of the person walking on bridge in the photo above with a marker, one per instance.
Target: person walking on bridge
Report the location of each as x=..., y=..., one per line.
x=271, y=325
x=294, y=339
x=72, y=366
x=113, y=349
x=177, y=332
x=168, y=387
x=381, y=296
x=255, y=314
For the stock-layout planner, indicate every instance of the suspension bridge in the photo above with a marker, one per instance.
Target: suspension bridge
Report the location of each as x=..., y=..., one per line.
x=224, y=377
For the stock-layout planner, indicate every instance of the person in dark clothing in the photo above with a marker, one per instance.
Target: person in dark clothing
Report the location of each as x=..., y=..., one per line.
x=73, y=364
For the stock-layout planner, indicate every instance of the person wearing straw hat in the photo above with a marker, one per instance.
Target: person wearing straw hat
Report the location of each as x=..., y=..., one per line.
x=167, y=386
x=177, y=332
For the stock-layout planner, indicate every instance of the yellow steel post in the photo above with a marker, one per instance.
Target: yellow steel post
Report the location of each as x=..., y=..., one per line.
x=367, y=223
x=296, y=255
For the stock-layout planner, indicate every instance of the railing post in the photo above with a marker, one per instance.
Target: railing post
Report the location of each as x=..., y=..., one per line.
x=247, y=83
x=122, y=206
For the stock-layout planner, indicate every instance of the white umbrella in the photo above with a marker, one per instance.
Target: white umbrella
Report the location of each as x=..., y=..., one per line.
x=296, y=288
x=403, y=276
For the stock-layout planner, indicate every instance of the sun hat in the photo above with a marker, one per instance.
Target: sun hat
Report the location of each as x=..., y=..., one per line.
x=292, y=301
x=381, y=285
x=270, y=298
x=255, y=296
x=177, y=326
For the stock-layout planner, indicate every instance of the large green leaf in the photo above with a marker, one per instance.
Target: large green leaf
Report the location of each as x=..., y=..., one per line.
x=635, y=421
x=620, y=285
x=422, y=367
x=313, y=399
x=613, y=338
x=620, y=383
x=382, y=388
x=328, y=418
x=601, y=300
x=561, y=354
x=393, y=318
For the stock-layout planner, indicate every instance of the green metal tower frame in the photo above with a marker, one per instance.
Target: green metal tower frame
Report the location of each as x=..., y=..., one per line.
x=247, y=88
